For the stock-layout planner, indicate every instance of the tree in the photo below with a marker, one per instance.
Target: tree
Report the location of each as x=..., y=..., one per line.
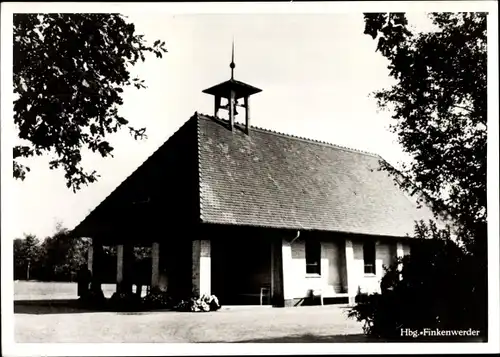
x=439, y=107
x=27, y=257
x=69, y=74
x=63, y=255
x=438, y=104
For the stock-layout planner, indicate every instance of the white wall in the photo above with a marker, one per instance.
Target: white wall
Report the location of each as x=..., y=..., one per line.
x=385, y=254
x=330, y=277
x=332, y=266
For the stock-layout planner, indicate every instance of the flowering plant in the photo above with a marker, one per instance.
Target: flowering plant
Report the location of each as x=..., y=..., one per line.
x=203, y=303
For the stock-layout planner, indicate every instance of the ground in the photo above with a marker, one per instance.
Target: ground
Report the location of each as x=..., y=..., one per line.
x=42, y=316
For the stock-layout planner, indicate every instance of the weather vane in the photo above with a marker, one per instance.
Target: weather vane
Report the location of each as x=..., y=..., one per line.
x=232, y=65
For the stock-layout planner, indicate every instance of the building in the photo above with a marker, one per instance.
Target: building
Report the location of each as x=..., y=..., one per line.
x=248, y=214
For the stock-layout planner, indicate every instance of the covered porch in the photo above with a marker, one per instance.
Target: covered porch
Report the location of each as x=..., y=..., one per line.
x=250, y=266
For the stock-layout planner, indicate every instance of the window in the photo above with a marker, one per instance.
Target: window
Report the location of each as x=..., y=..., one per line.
x=369, y=257
x=313, y=257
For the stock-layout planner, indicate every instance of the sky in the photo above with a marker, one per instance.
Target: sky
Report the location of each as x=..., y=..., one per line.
x=316, y=72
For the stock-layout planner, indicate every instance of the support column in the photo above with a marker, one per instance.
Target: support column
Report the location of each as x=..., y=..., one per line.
x=351, y=273
x=124, y=261
x=119, y=266
x=399, y=250
x=155, y=266
x=96, y=262
x=400, y=253
x=273, y=274
x=288, y=277
x=201, y=267
x=282, y=273
x=90, y=259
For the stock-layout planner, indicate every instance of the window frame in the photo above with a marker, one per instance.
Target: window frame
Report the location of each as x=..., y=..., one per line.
x=313, y=257
x=370, y=255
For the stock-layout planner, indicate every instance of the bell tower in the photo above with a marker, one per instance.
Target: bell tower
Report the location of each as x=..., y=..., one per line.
x=233, y=91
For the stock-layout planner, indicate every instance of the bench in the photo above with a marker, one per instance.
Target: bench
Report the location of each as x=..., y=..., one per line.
x=326, y=292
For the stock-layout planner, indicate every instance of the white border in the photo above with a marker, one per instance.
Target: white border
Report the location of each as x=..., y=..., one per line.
x=11, y=349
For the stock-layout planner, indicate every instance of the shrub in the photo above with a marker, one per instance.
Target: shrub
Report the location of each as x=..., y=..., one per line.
x=157, y=300
x=439, y=286
x=94, y=298
x=125, y=301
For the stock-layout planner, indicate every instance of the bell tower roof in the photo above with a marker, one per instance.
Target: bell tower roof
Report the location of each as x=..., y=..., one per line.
x=240, y=89
x=232, y=90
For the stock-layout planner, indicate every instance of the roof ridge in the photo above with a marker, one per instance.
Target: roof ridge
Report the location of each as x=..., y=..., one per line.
x=296, y=137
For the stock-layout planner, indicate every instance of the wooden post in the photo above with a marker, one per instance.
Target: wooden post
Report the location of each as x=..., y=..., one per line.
x=232, y=100
x=216, y=105
x=247, y=114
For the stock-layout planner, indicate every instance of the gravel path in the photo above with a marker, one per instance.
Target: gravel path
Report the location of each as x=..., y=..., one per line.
x=252, y=324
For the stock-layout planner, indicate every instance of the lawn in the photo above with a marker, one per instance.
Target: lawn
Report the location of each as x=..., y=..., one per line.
x=34, y=290
x=37, y=322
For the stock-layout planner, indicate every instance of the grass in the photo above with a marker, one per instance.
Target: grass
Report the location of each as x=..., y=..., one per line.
x=35, y=290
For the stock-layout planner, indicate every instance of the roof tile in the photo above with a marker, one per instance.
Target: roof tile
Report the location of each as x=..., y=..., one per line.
x=275, y=180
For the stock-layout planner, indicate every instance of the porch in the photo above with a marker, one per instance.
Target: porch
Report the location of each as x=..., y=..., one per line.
x=250, y=266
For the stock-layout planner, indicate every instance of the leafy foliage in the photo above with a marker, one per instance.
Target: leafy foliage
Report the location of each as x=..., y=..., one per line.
x=26, y=257
x=60, y=256
x=435, y=287
x=157, y=300
x=57, y=258
x=69, y=74
x=439, y=106
x=63, y=255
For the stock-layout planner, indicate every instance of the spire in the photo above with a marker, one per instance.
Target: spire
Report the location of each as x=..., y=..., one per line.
x=232, y=65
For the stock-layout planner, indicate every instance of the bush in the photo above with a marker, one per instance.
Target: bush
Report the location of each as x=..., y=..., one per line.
x=439, y=286
x=125, y=301
x=157, y=300
x=93, y=298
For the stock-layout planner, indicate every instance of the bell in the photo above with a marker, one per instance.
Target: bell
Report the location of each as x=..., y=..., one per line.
x=226, y=107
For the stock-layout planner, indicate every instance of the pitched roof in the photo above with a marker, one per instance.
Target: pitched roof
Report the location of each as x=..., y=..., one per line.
x=207, y=173
x=275, y=180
